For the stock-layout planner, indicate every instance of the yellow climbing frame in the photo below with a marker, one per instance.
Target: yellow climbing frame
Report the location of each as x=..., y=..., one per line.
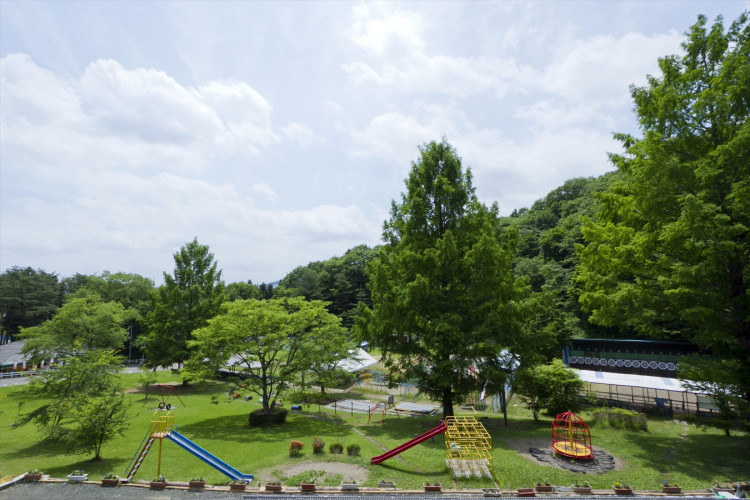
x=468, y=447
x=160, y=423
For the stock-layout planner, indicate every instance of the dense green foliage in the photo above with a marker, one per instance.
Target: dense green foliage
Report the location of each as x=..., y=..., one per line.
x=340, y=281
x=186, y=301
x=27, y=298
x=242, y=291
x=552, y=387
x=444, y=297
x=270, y=341
x=620, y=419
x=667, y=254
x=83, y=323
x=85, y=407
x=545, y=255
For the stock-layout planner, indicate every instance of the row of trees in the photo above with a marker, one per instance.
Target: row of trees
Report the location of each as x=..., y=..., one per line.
x=658, y=248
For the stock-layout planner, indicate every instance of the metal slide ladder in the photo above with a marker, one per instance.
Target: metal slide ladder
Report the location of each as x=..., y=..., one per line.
x=160, y=424
x=141, y=456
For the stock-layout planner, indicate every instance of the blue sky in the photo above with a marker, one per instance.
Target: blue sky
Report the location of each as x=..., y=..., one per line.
x=279, y=132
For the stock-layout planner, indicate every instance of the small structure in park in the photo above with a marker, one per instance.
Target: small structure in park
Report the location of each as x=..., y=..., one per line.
x=468, y=447
x=571, y=436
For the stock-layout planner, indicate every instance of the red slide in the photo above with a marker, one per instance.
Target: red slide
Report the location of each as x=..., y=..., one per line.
x=395, y=451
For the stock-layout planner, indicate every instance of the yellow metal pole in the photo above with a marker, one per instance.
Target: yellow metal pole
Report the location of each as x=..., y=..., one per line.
x=570, y=433
x=158, y=467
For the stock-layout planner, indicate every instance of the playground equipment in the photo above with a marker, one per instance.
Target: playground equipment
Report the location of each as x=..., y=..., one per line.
x=571, y=436
x=422, y=437
x=468, y=447
x=165, y=404
x=163, y=426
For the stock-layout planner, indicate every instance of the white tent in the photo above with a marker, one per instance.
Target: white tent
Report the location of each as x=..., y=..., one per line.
x=359, y=360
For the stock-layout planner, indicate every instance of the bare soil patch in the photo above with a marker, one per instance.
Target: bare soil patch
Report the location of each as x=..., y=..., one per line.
x=329, y=469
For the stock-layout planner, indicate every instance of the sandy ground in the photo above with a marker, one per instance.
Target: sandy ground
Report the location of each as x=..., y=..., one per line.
x=327, y=469
x=521, y=446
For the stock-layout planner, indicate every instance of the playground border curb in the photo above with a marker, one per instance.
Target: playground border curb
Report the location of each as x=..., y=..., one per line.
x=381, y=493
x=12, y=482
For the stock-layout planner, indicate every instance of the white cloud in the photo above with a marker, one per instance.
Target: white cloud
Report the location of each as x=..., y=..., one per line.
x=395, y=56
x=111, y=163
x=599, y=69
x=265, y=190
x=301, y=134
x=390, y=136
x=387, y=35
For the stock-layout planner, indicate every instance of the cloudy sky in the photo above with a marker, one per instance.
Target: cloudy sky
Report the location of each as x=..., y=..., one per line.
x=279, y=132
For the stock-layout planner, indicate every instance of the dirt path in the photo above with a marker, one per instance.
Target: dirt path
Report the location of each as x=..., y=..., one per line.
x=325, y=470
x=673, y=450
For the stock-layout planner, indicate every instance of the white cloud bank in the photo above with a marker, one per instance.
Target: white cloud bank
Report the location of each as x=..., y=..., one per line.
x=130, y=160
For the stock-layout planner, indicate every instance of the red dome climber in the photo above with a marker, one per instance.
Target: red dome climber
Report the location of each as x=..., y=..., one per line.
x=571, y=436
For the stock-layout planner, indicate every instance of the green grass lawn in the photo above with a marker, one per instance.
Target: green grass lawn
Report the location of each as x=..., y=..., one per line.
x=694, y=460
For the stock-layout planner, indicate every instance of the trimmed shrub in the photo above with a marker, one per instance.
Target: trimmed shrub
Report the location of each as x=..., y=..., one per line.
x=259, y=417
x=318, y=446
x=352, y=450
x=336, y=449
x=621, y=419
x=295, y=447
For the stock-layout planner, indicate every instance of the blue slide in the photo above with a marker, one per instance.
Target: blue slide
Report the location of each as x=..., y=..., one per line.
x=211, y=460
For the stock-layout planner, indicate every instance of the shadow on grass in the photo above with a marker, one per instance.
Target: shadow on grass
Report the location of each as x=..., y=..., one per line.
x=399, y=468
x=94, y=468
x=706, y=456
x=39, y=448
x=235, y=427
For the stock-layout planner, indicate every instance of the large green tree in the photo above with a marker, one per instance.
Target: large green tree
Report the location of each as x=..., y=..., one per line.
x=340, y=281
x=185, y=302
x=444, y=296
x=133, y=292
x=28, y=297
x=668, y=254
x=92, y=375
x=85, y=322
x=271, y=341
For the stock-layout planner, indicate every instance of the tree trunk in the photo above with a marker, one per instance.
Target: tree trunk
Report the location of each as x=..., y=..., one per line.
x=447, y=402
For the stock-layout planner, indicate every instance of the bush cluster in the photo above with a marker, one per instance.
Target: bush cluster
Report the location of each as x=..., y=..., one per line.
x=318, y=446
x=336, y=449
x=352, y=450
x=621, y=419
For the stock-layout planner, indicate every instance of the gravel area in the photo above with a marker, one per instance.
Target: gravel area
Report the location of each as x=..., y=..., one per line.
x=84, y=491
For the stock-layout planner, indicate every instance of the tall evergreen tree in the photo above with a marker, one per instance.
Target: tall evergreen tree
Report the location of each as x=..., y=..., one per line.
x=444, y=297
x=186, y=301
x=28, y=297
x=669, y=253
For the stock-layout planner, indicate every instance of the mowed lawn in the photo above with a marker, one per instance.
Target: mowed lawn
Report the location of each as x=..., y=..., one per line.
x=670, y=450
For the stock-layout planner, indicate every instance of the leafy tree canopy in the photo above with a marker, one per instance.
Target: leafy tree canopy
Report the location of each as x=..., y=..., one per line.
x=85, y=407
x=340, y=281
x=667, y=253
x=444, y=297
x=552, y=387
x=270, y=341
x=28, y=297
x=187, y=300
x=83, y=323
x=242, y=291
